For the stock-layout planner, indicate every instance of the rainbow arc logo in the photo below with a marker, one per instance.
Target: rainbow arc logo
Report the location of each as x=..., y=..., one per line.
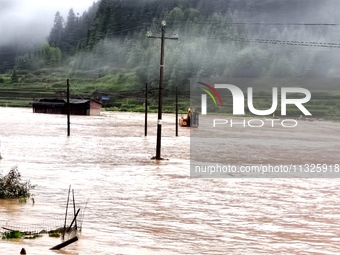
x=211, y=91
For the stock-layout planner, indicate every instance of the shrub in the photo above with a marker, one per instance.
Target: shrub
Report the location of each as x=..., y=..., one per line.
x=11, y=185
x=12, y=235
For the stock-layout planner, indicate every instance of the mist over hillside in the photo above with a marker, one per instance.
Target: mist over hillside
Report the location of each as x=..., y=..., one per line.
x=217, y=38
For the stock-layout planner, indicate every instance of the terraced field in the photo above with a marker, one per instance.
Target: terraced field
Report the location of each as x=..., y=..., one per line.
x=126, y=93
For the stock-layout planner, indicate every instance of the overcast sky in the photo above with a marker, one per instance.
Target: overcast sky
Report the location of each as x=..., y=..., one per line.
x=33, y=19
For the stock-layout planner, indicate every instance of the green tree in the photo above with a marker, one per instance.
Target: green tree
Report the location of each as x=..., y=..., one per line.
x=51, y=55
x=281, y=68
x=70, y=36
x=56, y=34
x=14, y=76
x=250, y=62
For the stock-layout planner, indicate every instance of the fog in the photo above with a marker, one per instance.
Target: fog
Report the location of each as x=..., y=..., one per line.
x=201, y=50
x=29, y=21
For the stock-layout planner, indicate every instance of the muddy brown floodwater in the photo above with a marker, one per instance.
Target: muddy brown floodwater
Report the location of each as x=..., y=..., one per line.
x=139, y=206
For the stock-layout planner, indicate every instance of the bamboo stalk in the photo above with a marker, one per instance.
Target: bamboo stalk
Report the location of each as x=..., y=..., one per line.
x=68, y=198
x=62, y=245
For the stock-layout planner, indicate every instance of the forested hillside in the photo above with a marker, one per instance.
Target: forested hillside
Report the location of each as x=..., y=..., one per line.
x=216, y=38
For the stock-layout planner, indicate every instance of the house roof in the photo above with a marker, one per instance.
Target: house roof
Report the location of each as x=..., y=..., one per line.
x=78, y=101
x=55, y=101
x=48, y=103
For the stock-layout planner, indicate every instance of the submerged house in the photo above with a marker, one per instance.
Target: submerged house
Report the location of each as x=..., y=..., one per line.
x=59, y=106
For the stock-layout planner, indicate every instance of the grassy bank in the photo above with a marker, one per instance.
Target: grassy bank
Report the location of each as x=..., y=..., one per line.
x=127, y=93
x=124, y=90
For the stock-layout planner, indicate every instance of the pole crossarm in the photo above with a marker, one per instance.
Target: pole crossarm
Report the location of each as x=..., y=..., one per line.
x=159, y=37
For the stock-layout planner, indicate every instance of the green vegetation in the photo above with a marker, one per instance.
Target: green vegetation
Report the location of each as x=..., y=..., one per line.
x=51, y=83
x=55, y=233
x=16, y=234
x=12, y=235
x=106, y=49
x=11, y=185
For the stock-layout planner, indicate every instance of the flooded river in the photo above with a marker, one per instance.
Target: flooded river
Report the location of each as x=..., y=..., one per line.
x=134, y=205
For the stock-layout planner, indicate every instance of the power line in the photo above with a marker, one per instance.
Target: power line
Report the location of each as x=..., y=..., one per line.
x=260, y=23
x=271, y=41
x=282, y=24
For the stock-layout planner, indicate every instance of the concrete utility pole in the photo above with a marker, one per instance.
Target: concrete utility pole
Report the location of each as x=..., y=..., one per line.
x=146, y=111
x=68, y=107
x=176, y=112
x=160, y=92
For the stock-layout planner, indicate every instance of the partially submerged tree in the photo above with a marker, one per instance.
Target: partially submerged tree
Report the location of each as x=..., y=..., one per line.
x=11, y=185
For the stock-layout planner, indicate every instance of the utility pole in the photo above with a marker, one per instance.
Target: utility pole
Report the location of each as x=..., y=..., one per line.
x=68, y=108
x=146, y=110
x=160, y=89
x=176, y=112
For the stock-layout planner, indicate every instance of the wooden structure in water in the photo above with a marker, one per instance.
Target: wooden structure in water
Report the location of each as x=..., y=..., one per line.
x=59, y=106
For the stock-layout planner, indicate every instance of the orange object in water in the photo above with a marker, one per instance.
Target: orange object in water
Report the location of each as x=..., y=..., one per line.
x=191, y=119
